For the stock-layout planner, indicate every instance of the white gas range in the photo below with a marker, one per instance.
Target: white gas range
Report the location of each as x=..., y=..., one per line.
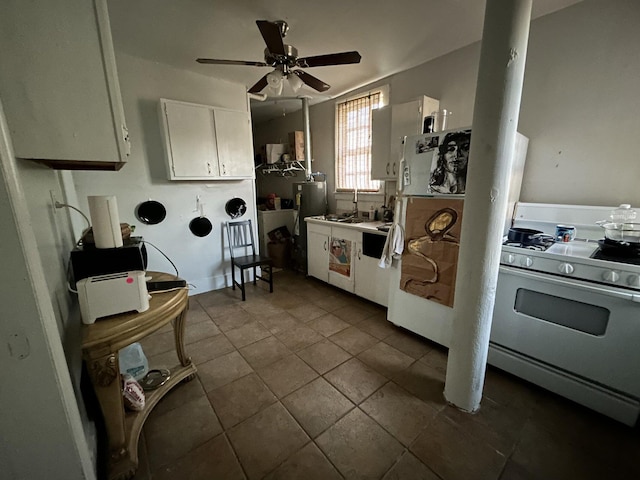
x=566, y=319
x=575, y=260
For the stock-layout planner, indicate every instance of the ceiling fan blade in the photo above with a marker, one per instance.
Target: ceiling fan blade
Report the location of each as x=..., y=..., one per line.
x=260, y=84
x=215, y=61
x=329, y=59
x=312, y=81
x=272, y=37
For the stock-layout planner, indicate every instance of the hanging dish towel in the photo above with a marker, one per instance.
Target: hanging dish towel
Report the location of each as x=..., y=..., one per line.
x=393, y=246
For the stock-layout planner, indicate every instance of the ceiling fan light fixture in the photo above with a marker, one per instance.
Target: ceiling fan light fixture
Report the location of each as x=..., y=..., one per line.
x=275, y=81
x=295, y=82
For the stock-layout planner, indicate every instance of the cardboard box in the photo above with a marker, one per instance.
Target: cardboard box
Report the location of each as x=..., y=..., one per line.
x=280, y=253
x=275, y=150
x=296, y=145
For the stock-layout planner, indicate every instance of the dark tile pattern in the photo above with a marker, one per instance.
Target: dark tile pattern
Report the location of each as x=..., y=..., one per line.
x=311, y=382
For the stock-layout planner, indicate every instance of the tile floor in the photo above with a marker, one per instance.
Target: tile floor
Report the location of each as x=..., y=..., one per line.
x=313, y=383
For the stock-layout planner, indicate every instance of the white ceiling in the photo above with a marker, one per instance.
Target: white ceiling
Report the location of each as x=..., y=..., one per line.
x=391, y=36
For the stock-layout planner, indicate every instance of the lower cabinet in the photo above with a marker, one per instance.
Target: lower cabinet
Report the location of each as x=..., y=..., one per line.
x=342, y=253
x=336, y=256
x=318, y=251
x=372, y=282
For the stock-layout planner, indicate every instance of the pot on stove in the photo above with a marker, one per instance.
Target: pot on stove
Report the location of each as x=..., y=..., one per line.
x=526, y=236
x=621, y=227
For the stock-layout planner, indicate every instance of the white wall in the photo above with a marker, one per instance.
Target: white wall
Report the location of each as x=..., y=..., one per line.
x=41, y=423
x=199, y=259
x=580, y=106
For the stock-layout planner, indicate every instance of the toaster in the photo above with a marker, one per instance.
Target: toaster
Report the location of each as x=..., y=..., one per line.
x=104, y=295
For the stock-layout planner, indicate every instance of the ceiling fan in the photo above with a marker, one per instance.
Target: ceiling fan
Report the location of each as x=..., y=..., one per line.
x=285, y=61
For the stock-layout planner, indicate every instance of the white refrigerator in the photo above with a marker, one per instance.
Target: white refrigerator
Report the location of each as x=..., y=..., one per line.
x=429, y=207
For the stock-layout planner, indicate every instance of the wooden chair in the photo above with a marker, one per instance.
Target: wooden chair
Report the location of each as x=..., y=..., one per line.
x=240, y=236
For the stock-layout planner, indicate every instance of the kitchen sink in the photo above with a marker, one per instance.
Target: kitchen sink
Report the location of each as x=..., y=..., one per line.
x=343, y=219
x=351, y=220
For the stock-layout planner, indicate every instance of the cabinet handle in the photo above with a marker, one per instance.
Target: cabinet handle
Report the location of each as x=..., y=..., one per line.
x=208, y=168
x=387, y=169
x=359, y=252
x=394, y=168
x=224, y=169
x=325, y=245
x=125, y=139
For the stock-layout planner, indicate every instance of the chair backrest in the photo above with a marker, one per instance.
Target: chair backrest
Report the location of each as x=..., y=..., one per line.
x=240, y=235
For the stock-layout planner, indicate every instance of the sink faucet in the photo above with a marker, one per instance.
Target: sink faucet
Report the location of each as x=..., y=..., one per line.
x=355, y=202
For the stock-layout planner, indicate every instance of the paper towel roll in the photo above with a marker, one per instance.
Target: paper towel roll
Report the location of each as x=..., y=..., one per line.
x=105, y=221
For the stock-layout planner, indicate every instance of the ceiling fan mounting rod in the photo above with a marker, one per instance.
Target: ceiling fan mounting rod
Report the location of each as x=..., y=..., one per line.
x=283, y=26
x=289, y=58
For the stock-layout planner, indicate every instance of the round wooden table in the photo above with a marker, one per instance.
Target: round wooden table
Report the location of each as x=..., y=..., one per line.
x=101, y=343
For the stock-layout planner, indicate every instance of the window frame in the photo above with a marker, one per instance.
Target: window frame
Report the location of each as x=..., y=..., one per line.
x=383, y=91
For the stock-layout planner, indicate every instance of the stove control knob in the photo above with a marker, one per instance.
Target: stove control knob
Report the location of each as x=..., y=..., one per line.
x=610, y=276
x=633, y=280
x=566, y=268
x=526, y=261
x=509, y=258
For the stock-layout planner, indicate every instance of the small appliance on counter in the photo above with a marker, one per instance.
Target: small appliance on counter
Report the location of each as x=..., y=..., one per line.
x=105, y=295
x=89, y=261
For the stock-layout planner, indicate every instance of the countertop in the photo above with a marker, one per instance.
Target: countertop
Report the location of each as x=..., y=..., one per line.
x=370, y=227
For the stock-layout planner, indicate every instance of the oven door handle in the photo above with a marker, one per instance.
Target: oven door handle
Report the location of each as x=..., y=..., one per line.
x=571, y=283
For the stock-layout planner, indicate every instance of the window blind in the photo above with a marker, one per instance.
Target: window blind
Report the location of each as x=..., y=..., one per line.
x=353, y=162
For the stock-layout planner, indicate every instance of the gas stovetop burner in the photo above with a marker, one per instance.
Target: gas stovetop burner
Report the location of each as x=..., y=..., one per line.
x=539, y=246
x=614, y=251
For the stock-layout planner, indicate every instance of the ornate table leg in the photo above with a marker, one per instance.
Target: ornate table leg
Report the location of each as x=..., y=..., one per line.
x=105, y=377
x=178, y=330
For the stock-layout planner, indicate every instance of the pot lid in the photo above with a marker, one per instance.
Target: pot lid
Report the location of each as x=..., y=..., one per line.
x=200, y=226
x=236, y=207
x=151, y=212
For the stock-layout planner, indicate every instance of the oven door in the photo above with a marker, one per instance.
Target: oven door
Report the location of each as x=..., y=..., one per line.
x=589, y=330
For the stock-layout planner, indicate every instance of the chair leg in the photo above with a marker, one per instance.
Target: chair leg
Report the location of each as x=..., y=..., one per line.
x=243, y=286
x=270, y=278
x=255, y=275
x=233, y=277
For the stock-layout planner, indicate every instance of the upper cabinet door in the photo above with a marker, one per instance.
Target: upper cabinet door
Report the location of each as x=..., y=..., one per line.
x=190, y=141
x=381, y=144
x=59, y=84
x=389, y=125
x=206, y=143
x=235, y=143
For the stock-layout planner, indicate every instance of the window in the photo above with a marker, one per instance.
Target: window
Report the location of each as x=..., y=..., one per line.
x=353, y=144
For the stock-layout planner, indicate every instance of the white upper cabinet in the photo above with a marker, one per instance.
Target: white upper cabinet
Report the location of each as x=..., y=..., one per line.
x=381, y=168
x=206, y=143
x=389, y=125
x=191, y=141
x=235, y=143
x=59, y=84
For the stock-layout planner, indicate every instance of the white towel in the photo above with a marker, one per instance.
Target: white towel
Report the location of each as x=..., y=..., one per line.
x=393, y=246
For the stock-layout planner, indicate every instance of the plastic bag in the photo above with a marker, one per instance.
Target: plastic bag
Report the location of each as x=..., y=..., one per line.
x=133, y=393
x=133, y=361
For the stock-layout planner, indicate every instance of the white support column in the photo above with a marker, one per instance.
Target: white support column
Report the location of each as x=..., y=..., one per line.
x=495, y=118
